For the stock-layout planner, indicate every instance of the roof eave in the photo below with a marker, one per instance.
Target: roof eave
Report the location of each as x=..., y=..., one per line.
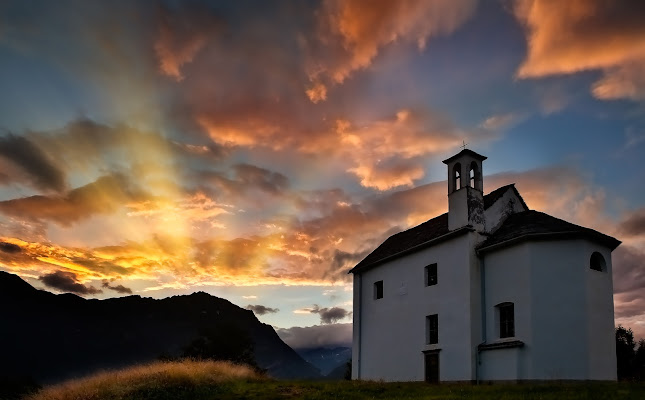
x=609, y=241
x=446, y=236
x=465, y=151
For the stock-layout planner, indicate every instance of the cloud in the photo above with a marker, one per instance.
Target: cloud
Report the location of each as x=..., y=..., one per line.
x=105, y=195
x=633, y=224
x=386, y=153
x=334, y=335
x=573, y=36
x=9, y=247
x=40, y=170
x=67, y=282
x=352, y=33
x=117, y=288
x=499, y=122
x=183, y=32
x=629, y=271
x=328, y=315
x=261, y=310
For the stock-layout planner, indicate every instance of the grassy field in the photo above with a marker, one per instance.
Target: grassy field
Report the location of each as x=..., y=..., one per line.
x=218, y=380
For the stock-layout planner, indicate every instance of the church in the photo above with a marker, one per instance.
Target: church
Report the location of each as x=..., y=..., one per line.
x=489, y=291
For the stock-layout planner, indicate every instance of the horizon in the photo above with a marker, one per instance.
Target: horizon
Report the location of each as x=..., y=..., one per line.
x=258, y=151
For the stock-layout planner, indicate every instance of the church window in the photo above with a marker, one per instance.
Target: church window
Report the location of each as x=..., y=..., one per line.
x=473, y=175
x=431, y=274
x=456, y=176
x=378, y=290
x=432, y=329
x=506, y=320
x=597, y=262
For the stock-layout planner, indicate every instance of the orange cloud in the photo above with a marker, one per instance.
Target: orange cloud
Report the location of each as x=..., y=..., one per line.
x=385, y=152
x=316, y=93
x=571, y=36
x=356, y=30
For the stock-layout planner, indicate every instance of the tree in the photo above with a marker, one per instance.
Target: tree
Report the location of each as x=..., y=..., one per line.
x=630, y=359
x=624, y=352
x=222, y=342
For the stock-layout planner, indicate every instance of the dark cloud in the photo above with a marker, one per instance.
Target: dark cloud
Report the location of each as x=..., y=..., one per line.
x=117, y=288
x=634, y=224
x=41, y=170
x=261, y=310
x=334, y=335
x=67, y=282
x=330, y=315
x=9, y=247
x=269, y=181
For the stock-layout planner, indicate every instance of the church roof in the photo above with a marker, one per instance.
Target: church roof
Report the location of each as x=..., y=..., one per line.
x=537, y=225
x=465, y=151
x=425, y=234
x=526, y=225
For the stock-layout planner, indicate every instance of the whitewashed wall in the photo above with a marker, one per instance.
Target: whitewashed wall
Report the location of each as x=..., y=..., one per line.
x=563, y=311
x=392, y=329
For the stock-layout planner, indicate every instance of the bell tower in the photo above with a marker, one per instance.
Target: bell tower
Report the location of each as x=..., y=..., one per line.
x=465, y=190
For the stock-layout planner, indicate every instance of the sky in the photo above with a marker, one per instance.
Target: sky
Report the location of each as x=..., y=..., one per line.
x=258, y=150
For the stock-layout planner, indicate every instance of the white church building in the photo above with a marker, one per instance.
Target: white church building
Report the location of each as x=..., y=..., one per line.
x=490, y=291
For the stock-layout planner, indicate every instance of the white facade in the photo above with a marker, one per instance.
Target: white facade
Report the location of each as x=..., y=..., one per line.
x=562, y=323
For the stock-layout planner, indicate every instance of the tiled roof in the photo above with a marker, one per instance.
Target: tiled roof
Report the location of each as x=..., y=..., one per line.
x=519, y=226
x=535, y=225
x=406, y=240
x=403, y=241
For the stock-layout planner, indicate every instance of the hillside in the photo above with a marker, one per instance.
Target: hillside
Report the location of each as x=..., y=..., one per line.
x=49, y=338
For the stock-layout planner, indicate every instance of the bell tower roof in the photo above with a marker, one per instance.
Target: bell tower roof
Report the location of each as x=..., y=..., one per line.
x=464, y=152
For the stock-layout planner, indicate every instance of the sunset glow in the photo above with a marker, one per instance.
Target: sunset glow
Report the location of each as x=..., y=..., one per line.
x=259, y=150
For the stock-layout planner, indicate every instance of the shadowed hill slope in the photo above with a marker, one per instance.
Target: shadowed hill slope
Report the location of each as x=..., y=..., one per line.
x=51, y=337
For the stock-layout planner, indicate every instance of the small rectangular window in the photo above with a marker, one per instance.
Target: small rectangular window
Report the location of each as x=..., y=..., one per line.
x=431, y=274
x=506, y=320
x=432, y=329
x=378, y=290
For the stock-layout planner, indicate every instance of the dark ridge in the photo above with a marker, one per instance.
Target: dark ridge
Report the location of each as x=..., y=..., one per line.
x=49, y=338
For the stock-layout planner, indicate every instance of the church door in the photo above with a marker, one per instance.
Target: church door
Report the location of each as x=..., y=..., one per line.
x=432, y=367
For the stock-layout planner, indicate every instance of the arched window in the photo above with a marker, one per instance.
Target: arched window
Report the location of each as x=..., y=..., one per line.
x=456, y=176
x=474, y=175
x=597, y=262
x=506, y=315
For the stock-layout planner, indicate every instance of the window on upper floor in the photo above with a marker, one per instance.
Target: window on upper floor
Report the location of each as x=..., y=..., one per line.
x=378, y=290
x=432, y=329
x=506, y=312
x=597, y=262
x=431, y=274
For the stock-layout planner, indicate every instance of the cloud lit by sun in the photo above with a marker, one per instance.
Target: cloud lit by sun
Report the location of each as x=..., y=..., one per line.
x=164, y=148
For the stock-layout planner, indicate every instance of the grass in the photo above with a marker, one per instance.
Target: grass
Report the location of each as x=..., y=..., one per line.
x=208, y=380
x=159, y=380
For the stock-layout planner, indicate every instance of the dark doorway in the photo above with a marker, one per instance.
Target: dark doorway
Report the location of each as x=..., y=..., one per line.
x=432, y=367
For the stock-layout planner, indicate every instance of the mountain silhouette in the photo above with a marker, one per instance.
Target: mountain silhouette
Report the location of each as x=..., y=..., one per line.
x=48, y=338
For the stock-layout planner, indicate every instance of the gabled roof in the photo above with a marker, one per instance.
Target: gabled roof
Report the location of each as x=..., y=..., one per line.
x=401, y=242
x=427, y=233
x=465, y=151
x=535, y=225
